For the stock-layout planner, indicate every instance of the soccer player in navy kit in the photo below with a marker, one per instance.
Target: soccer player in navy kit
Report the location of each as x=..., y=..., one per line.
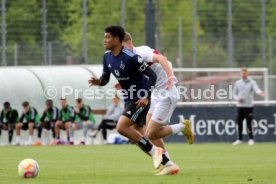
x=131, y=72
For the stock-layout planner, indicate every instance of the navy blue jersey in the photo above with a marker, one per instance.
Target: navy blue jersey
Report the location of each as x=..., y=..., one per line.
x=129, y=69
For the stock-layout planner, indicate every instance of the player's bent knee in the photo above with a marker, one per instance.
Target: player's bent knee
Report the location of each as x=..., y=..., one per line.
x=74, y=126
x=121, y=129
x=152, y=135
x=86, y=123
x=31, y=125
x=19, y=126
x=58, y=124
x=4, y=127
x=43, y=125
x=67, y=125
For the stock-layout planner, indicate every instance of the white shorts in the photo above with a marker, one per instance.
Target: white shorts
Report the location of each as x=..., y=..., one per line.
x=162, y=107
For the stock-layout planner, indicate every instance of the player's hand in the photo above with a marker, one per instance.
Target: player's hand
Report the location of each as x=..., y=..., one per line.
x=94, y=81
x=170, y=83
x=241, y=100
x=77, y=110
x=142, y=102
x=262, y=94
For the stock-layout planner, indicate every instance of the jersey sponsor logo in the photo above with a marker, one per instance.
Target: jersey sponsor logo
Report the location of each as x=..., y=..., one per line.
x=143, y=67
x=117, y=72
x=122, y=78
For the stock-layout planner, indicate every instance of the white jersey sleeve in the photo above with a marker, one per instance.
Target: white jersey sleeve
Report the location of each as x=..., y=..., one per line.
x=145, y=52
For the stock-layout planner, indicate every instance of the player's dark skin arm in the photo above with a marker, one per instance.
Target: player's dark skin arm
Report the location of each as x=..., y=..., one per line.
x=103, y=80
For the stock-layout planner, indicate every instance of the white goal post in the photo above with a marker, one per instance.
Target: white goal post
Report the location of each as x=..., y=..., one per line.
x=260, y=73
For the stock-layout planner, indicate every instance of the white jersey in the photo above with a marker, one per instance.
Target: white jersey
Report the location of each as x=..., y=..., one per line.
x=146, y=53
x=245, y=89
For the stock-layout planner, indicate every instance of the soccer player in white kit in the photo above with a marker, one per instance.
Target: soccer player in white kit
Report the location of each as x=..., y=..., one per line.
x=163, y=103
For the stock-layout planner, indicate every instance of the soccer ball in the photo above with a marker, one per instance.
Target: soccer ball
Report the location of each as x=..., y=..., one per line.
x=28, y=168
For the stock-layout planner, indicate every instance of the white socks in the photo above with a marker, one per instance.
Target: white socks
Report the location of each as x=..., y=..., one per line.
x=169, y=163
x=30, y=139
x=176, y=128
x=17, y=139
x=167, y=154
x=152, y=151
x=85, y=130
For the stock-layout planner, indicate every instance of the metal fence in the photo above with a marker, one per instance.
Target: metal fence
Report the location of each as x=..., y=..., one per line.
x=192, y=33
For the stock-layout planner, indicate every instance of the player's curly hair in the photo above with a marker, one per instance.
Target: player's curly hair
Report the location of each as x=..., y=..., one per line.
x=116, y=31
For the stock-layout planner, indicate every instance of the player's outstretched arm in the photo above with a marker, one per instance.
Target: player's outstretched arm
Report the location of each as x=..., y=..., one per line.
x=158, y=58
x=93, y=81
x=103, y=80
x=258, y=90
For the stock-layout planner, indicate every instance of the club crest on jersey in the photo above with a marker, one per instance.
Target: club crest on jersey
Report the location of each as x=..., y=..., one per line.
x=117, y=72
x=109, y=65
x=122, y=66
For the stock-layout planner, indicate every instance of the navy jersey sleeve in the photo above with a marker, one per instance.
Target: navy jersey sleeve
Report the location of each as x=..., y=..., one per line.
x=105, y=75
x=143, y=67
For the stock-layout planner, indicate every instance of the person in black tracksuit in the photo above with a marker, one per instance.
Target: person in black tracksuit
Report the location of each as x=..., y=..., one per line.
x=110, y=119
x=244, y=90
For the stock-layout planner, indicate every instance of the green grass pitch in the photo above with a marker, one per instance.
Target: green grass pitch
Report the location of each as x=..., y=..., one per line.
x=200, y=164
